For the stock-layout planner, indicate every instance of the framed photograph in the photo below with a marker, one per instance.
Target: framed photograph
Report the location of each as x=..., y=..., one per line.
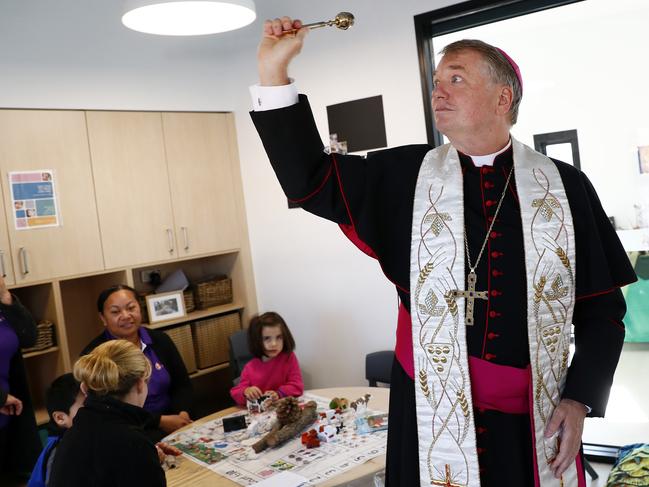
x=165, y=306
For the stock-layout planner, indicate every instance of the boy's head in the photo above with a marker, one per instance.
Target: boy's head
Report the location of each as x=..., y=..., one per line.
x=63, y=399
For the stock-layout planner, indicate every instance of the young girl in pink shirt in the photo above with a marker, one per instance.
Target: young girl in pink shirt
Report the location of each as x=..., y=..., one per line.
x=275, y=371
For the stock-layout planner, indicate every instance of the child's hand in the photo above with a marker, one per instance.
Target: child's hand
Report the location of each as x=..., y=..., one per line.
x=167, y=449
x=12, y=406
x=272, y=395
x=252, y=393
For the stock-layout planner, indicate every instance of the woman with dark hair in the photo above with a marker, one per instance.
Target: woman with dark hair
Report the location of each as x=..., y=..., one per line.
x=275, y=371
x=170, y=390
x=19, y=442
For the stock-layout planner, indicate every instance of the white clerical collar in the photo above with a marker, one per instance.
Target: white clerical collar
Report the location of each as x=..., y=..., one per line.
x=488, y=160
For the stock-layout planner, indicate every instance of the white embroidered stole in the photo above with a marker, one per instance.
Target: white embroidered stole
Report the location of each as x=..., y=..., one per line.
x=549, y=238
x=446, y=431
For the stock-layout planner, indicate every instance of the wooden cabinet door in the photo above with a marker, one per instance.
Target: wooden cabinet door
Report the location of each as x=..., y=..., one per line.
x=201, y=180
x=39, y=140
x=132, y=187
x=6, y=265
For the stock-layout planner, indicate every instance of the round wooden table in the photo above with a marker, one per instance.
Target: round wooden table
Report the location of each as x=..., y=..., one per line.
x=190, y=473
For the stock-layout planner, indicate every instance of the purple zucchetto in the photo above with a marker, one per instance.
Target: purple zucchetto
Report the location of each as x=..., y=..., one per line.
x=514, y=67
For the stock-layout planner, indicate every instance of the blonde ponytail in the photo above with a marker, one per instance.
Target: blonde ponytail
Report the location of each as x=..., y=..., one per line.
x=112, y=368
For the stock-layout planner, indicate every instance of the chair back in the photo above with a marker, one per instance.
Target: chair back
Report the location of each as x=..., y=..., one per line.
x=239, y=353
x=378, y=367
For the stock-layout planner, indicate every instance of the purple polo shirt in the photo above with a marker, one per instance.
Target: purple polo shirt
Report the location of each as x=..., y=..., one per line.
x=158, y=399
x=8, y=347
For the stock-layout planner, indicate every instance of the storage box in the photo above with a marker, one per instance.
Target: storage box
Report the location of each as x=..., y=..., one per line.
x=211, y=339
x=44, y=337
x=190, y=302
x=213, y=291
x=182, y=338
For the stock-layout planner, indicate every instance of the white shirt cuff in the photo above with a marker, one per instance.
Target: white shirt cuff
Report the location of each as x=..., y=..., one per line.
x=273, y=97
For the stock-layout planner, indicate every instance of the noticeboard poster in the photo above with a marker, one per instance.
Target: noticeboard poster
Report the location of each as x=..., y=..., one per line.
x=33, y=197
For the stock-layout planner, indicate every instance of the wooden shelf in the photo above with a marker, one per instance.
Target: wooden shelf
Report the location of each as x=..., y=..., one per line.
x=209, y=370
x=197, y=315
x=42, y=417
x=40, y=352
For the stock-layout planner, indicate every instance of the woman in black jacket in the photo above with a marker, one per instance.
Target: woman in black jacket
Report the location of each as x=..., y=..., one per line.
x=170, y=389
x=106, y=446
x=19, y=442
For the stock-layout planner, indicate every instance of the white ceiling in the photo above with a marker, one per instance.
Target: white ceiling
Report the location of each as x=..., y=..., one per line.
x=74, y=32
x=76, y=54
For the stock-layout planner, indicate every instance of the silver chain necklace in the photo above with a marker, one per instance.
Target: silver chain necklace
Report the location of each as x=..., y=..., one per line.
x=471, y=294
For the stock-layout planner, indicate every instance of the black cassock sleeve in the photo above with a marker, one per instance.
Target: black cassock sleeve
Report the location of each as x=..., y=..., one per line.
x=369, y=198
x=599, y=335
x=306, y=173
x=602, y=268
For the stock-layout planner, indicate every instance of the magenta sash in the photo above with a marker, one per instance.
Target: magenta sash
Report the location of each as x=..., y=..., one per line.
x=507, y=389
x=499, y=387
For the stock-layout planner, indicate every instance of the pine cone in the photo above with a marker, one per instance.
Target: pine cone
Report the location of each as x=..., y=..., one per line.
x=288, y=410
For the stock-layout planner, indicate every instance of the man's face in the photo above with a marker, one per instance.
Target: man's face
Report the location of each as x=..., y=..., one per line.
x=465, y=99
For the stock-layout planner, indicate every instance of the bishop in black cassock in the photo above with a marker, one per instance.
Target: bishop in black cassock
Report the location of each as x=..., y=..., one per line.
x=371, y=199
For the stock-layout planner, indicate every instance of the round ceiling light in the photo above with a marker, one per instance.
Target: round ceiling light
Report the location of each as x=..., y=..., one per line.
x=188, y=18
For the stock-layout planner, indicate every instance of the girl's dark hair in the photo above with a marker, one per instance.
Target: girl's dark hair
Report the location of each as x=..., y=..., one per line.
x=255, y=339
x=105, y=294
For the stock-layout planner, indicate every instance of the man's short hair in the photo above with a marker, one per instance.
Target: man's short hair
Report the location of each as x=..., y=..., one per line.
x=500, y=70
x=61, y=394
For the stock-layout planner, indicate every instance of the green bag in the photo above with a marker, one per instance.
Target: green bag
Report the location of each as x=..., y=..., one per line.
x=636, y=320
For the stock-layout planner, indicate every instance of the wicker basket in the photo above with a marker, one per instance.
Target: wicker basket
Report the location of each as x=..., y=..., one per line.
x=213, y=292
x=190, y=302
x=211, y=339
x=182, y=338
x=44, y=337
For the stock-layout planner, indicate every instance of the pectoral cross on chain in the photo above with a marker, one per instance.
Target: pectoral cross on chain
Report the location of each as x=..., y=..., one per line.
x=471, y=295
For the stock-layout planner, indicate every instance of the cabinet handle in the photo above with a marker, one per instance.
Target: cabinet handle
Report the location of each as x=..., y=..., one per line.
x=186, y=237
x=170, y=236
x=2, y=264
x=23, y=256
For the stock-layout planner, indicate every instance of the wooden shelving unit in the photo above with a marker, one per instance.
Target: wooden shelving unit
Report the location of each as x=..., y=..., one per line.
x=70, y=303
x=36, y=353
x=197, y=315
